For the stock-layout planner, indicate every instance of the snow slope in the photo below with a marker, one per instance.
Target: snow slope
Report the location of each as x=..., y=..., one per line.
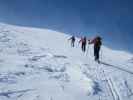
x=39, y=64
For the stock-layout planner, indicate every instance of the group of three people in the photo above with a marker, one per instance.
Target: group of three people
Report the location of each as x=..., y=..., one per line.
x=97, y=41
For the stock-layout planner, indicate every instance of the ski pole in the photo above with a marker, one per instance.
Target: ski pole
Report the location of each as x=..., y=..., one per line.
x=87, y=50
x=101, y=53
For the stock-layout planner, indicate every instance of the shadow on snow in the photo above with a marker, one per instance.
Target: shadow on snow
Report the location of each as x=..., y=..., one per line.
x=117, y=67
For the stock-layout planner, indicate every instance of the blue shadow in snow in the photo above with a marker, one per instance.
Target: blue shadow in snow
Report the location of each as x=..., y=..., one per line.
x=96, y=88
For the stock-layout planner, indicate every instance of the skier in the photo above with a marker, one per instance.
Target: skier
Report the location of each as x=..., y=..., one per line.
x=83, y=43
x=97, y=41
x=72, y=40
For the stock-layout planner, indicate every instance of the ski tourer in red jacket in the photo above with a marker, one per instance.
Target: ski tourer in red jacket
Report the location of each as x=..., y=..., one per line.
x=97, y=41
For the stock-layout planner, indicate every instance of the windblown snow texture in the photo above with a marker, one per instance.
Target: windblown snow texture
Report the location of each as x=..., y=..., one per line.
x=39, y=64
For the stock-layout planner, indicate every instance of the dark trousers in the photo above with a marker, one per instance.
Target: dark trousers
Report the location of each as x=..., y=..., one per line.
x=72, y=43
x=96, y=52
x=83, y=47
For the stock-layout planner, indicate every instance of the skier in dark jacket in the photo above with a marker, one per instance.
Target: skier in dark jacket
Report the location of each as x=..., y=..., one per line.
x=72, y=40
x=97, y=41
x=83, y=44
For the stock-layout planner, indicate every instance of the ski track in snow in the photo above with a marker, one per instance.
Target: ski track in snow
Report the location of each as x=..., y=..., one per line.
x=42, y=73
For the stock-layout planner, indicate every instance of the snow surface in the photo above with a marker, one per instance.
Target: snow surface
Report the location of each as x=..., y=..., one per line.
x=39, y=64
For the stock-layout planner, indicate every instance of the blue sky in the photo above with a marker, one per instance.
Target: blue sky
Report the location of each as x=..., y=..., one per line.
x=113, y=19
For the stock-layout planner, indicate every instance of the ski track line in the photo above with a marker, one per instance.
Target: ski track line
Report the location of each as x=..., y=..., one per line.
x=118, y=68
x=110, y=89
x=98, y=74
x=115, y=90
x=129, y=90
x=110, y=85
x=98, y=77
